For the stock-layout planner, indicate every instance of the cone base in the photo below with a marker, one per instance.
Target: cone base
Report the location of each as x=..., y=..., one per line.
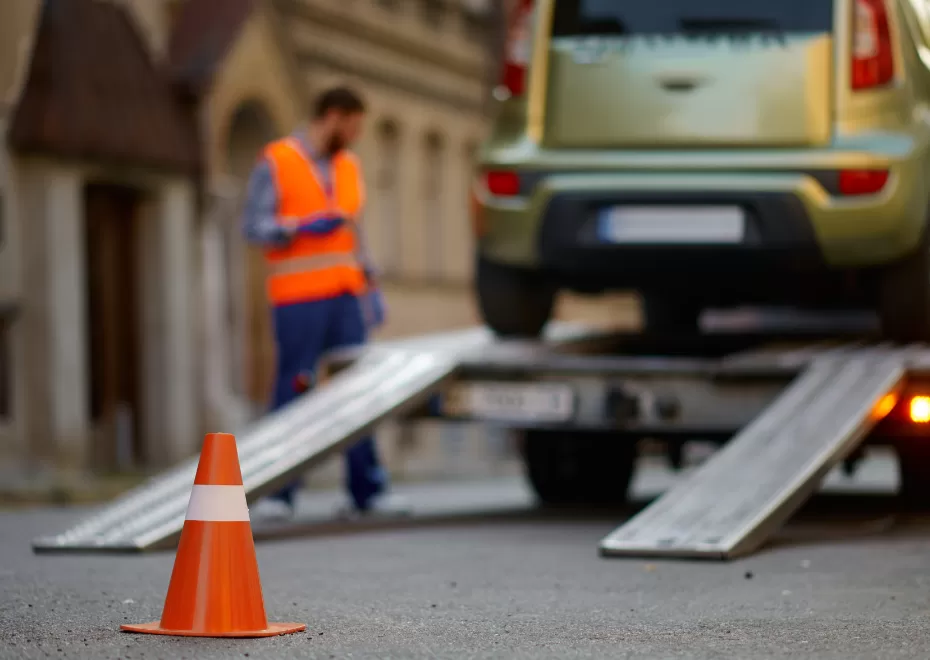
x=272, y=630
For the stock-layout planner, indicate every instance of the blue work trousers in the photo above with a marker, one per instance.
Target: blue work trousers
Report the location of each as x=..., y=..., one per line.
x=304, y=332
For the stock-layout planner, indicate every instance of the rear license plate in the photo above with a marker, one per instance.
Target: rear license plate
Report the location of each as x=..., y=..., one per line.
x=683, y=225
x=545, y=402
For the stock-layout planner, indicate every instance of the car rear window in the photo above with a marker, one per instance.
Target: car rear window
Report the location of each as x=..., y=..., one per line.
x=670, y=17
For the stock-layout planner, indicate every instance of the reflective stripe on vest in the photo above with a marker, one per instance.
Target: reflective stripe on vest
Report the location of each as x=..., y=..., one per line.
x=312, y=263
x=312, y=266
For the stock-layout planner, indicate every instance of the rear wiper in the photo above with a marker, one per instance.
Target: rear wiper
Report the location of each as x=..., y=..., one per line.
x=605, y=26
x=730, y=26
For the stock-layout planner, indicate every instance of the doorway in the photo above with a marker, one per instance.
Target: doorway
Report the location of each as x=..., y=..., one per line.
x=112, y=215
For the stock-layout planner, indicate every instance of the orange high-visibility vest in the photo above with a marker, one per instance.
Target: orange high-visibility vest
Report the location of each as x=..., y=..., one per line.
x=314, y=267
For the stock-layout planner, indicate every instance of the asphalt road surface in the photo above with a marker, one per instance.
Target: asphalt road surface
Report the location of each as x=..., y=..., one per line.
x=848, y=578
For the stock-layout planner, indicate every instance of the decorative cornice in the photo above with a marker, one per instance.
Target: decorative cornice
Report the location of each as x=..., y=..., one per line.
x=287, y=50
x=393, y=80
x=383, y=36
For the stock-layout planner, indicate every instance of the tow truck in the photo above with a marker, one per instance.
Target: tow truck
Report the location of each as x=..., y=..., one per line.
x=785, y=405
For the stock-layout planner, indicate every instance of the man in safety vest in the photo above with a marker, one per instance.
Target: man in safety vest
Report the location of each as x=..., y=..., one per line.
x=305, y=199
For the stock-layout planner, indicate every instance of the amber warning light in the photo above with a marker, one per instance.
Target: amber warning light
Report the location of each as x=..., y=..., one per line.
x=885, y=406
x=919, y=409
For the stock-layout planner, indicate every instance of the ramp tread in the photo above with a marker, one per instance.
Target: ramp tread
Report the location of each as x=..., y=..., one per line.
x=270, y=453
x=727, y=505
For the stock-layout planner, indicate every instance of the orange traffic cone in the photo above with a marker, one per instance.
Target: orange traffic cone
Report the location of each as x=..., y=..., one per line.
x=215, y=590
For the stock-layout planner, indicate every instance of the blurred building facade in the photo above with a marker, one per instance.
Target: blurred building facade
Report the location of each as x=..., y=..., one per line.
x=132, y=315
x=422, y=67
x=99, y=174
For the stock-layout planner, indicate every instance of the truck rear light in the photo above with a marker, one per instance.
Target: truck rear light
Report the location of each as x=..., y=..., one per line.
x=872, y=59
x=862, y=182
x=502, y=183
x=908, y=407
x=885, y=406
x=517, y=49
x=919, y=409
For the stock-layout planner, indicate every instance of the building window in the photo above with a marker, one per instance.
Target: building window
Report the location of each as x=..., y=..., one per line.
x=433, y=12
x=172, y=10
x=476, y=25
x=6, y=372
x=387, y=189
x=432, y=203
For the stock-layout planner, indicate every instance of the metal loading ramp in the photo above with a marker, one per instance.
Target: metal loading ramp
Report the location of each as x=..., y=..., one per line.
x=730, y=505
x=381, y=382
x=275, y=450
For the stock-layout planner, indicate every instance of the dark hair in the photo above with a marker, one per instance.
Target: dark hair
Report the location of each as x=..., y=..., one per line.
x=341, y=99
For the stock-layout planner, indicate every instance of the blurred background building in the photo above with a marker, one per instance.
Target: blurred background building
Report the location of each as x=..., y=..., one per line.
x=132, y=315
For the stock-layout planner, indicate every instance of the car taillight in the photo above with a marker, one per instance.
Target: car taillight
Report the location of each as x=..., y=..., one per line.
x=502, y=183
x=862, y=182
x=517, y=49
x=872, y=59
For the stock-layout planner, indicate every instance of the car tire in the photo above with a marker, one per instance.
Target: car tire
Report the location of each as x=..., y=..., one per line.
x=904, y=298
x=667, y=315
x=514, y=302
x=579, y=468
x=914, y=475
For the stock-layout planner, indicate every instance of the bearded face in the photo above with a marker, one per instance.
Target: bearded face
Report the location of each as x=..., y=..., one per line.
x=343, y=133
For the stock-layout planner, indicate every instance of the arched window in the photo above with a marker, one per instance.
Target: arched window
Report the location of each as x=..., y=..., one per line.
x=246, y=327
x=433, y=216
x=433, y=11
x=387, y=197
x=250, y=129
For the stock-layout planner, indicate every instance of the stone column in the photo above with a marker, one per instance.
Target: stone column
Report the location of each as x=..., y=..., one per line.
x=66, y=313
x=12, y=436
x=181, y=393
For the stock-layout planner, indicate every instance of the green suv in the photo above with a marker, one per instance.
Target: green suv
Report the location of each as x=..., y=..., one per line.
x=709, y=153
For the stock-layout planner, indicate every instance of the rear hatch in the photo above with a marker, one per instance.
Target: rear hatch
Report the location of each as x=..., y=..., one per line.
x=689, y=73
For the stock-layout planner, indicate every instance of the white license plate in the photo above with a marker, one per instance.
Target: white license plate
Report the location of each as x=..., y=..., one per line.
x=683, y=225
x=544, y=402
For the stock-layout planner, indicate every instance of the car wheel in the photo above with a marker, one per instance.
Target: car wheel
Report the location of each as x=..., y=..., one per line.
x=575, y=468
x=514, y=302
x=914, y=475
x=667, y=315
x=904, y=298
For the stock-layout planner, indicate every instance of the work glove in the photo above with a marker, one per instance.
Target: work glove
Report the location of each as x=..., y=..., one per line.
x=320, y=226
x=286, y=235
x=292, y=227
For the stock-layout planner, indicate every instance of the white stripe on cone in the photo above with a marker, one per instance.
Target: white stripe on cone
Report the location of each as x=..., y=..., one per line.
x=218, y=504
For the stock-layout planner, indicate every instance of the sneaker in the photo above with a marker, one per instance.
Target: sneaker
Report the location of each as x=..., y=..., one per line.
x=387, y=505
x=271, y=510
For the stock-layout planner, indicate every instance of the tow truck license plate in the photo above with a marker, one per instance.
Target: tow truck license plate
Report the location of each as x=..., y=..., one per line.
x=683, y=225
x=518, y=402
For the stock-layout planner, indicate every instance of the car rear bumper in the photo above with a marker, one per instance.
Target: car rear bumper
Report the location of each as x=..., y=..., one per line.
x=796, y=218
x=778, y=239
x=776, y=226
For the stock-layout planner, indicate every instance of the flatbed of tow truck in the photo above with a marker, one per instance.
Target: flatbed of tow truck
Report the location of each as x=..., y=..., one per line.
x=786, y=405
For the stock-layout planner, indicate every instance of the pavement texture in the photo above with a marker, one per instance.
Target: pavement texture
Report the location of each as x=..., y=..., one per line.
x=849, y=578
